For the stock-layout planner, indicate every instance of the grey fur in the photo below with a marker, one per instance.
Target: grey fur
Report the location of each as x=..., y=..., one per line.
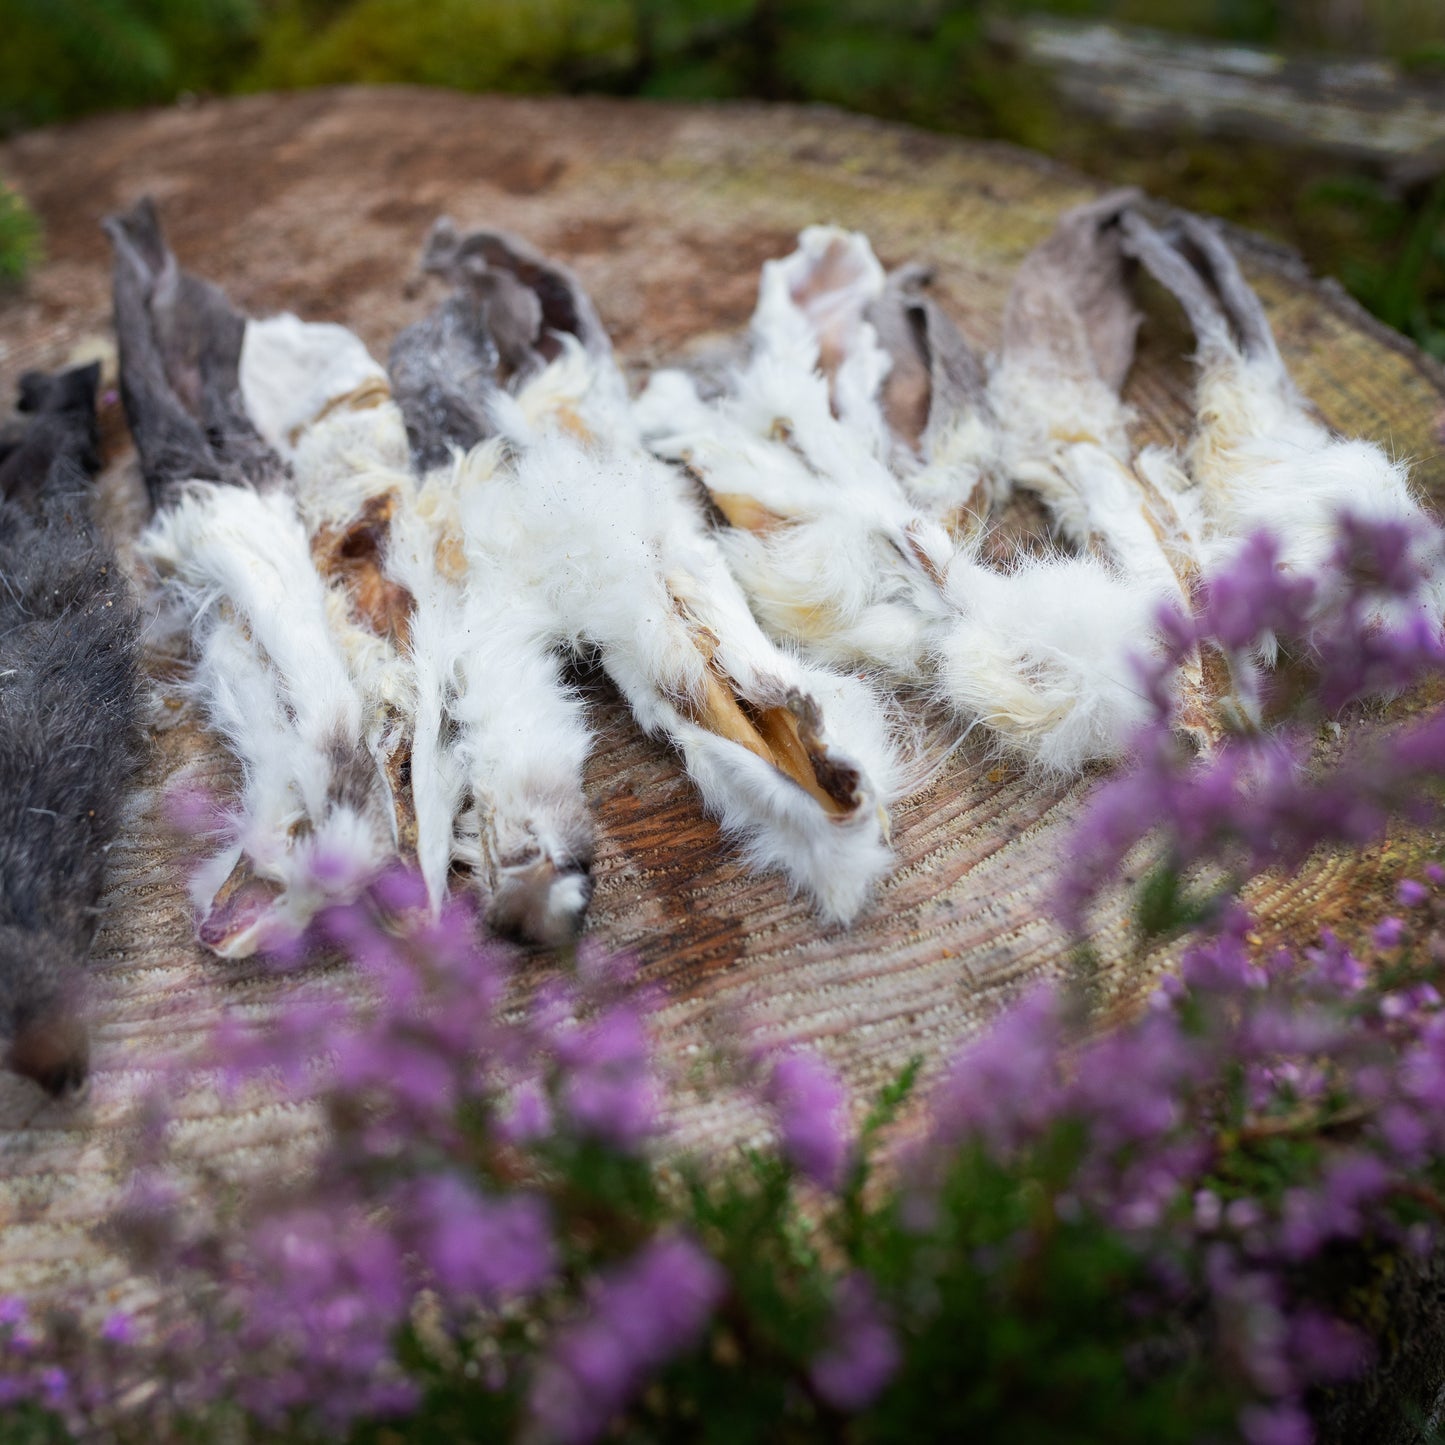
x=180, y=350
x=69, y=726
x=58, y=421
x=500, y=326
x=442, y=370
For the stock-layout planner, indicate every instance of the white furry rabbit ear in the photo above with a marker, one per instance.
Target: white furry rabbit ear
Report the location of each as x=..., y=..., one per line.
x=812, y=316
x=1262, y=457
x=180, y=345
x=496, y=728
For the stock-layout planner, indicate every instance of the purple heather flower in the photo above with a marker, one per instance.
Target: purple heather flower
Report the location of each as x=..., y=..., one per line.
x=118, y=1329
x=1389, y=933
x=1326, y=1350
x=478, y=1247
x=13, y=1311
x=811, y=1109
x=608, y=1088
x=1334, y=967
x=644, y=1314
x=54, y=1387
x=861, y=1355
x=400, y=890
x=1003, y=1086
x=321, y=1293
x=1278, y=1424
x=528, y=1116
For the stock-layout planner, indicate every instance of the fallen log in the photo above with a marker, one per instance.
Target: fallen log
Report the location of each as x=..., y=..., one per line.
x=1358, y=110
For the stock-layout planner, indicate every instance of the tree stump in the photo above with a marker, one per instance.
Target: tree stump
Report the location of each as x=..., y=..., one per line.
x=317, y=203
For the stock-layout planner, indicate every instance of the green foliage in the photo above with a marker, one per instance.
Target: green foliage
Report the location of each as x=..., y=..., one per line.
x=1391, y=252
x=534, y=46
x=63, y=58
x=19, y=237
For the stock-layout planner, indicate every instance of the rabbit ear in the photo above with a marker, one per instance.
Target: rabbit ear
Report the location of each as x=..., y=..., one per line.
x=935, y=377
x=61, y=432
x=1173, y=269
x=444, y=372
x=173, y=445
x=1070, y=308
x=1204, y=247
x=180, y=345
x=505, y=271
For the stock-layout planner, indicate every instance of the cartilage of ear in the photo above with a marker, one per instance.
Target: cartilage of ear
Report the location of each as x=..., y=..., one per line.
x=771, y=734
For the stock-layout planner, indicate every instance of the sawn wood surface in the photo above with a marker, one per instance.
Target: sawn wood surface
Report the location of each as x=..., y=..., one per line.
x=318, y=203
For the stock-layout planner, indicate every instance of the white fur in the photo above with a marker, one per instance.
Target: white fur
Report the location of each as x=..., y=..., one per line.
x=795, y=322
x=522, y=738
x=1045, y=657
x=1066, y=439
x=629, y=571
x=292, y=371
x=274, y=681
x=436, y=778
x=1264, y=463
x=834, y=556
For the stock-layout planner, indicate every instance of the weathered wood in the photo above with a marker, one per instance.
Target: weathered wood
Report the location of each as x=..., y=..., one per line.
x=1146, y=80
x=318, y=202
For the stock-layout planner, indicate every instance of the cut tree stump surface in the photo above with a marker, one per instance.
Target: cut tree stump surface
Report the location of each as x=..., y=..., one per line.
x=318, y=203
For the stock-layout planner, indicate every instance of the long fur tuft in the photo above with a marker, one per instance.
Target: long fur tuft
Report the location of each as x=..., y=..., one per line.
x=70, y=703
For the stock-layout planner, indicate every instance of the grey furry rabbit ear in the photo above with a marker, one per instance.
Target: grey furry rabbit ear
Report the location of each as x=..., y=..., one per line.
x=69, y=726
x=180, y=349
x=60, y=423
x=532, y=300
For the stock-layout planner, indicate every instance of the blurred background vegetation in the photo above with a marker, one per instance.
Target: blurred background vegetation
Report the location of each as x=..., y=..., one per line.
x=943, y=64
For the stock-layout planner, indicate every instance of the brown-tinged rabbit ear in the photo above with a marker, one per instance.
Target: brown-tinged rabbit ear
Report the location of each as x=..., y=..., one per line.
x=180, y=350
x=561, y=303
x=1192, y=261
x=935, y=375
x=1071, y=305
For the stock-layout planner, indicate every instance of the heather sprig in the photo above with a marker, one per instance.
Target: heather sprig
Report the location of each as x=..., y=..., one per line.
x=1189, y=1228
x=1279, y=782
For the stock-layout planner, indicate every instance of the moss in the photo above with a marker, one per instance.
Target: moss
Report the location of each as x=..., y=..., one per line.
x=19, y=237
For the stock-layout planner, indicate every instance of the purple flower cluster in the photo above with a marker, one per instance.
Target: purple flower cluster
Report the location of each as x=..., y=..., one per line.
x=862, y=1354
x=1267, y=796
x=1233, y=1059
x=811, y=1110
x=643, y=1314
